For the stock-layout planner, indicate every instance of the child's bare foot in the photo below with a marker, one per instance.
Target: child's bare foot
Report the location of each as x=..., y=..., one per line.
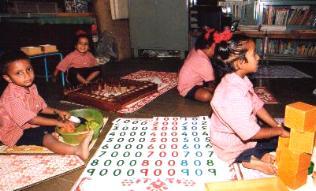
x=55, y=135
x=261, y=166
x=268, y=158
x=82, y=150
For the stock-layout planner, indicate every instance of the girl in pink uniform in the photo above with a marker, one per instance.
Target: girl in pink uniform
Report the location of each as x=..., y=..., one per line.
x=196, y=76
x=81, y=65
x=235, y=133
x=21, y=122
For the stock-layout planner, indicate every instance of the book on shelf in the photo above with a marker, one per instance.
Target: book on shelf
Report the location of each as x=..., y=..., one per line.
x=290, y=47
x=289, y=15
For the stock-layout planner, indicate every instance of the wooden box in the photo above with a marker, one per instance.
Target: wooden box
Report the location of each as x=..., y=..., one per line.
x=47, y=48
x=31, y=50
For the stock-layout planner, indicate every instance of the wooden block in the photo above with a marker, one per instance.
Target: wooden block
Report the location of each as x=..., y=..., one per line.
x=282, y=143
x=293, y=179
x=48, y=48
x=301, y=141
x=263, y=184
x=290, y=161
x=31, y=50
x=300, y=116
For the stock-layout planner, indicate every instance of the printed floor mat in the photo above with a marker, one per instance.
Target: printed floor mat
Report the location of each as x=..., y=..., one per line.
x=279, y=71
x=265, y=95
x=17, y=171
x=155, y=154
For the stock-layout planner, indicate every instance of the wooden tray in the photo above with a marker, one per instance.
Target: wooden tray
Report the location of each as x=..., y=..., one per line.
x=265, y=184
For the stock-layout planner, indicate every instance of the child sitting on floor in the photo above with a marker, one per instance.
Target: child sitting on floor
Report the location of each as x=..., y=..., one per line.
x=20, y=105
x=196, y=76
x=235, y=134
x=81, y=65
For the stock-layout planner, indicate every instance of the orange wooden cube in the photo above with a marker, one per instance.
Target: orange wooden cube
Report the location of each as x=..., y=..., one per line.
x=301, y=141
x=282, y=143
x=293, y=179
x=300, y=116
x=290, y=161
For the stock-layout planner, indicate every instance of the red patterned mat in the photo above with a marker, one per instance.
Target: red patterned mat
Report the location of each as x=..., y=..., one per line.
x=19, y=171
x=26, y=168
x=265, y=95
x=165, y=81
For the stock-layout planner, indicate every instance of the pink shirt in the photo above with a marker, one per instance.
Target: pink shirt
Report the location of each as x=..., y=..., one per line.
x=76, y=59
x=18, y=105
x=197, y=68
x=233, y=121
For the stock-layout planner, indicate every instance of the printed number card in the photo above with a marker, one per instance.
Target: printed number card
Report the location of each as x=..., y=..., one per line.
x=155, y=154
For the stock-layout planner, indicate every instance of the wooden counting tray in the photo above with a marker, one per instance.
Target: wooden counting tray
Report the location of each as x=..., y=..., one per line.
x=89, y=95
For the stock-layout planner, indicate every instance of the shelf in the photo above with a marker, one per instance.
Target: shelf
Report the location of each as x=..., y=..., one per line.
x=295, y=34
x=49, y=18
x=292, y=58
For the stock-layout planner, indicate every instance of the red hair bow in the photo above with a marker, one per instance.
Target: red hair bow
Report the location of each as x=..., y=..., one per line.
x=226, y=35
x=208, y=31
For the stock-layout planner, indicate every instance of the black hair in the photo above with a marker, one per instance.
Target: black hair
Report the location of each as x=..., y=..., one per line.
x=227, y=52
x=204, y=41
x=9, y=57
x=79, y=36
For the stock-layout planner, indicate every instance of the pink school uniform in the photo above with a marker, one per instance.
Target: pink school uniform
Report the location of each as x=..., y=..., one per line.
x=18, y=105
x=196, y=69
x=76, y=59
x=233, y=121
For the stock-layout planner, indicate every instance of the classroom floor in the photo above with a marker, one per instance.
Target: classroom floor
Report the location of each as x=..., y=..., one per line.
x=171, y=104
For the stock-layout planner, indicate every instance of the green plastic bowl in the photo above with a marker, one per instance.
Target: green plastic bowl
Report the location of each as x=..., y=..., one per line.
x=89, y=114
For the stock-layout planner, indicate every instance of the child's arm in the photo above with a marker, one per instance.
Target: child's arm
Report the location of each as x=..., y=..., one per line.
x=266, y=117
x=265, y=133
x=275, y=128
x=43, y=121
x=56, y=72
x=52, y=111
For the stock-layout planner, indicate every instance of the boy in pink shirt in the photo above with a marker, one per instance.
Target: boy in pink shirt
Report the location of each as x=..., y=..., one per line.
x=196, y=76
x=235, y=134
x=81, y=65
x=20, y=106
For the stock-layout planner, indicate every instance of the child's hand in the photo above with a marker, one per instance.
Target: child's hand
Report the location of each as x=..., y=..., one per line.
x=64, y=115
x=284, y=132
x=67, y=127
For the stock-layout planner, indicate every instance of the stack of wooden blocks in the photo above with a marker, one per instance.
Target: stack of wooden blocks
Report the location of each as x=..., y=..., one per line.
x=294, y=153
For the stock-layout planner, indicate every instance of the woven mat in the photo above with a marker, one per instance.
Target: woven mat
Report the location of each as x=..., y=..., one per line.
x=165, y=81
x=279, y=71
x=265, y=95
x=17, y=170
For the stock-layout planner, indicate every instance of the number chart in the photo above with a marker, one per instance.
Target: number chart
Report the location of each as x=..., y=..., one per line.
x=155, y=154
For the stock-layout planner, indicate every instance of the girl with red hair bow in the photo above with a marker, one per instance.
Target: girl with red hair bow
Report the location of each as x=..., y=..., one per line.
x=196, y=76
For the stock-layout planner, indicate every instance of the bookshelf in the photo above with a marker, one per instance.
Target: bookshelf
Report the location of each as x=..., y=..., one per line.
x=284, y=30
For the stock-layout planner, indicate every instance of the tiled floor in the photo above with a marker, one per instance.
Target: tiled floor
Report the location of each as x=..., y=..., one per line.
x=171, y=104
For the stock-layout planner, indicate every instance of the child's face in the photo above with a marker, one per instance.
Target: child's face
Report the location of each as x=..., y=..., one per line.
x=82, y=45
x=251, y=65
x=20, y=72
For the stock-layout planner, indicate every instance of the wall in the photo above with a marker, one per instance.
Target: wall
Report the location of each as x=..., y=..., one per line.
x=118, y=28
